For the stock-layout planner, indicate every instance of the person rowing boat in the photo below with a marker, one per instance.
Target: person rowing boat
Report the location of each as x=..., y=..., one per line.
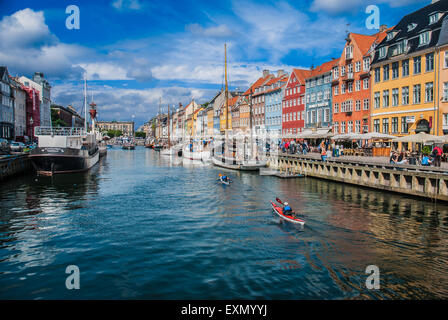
x=286, y=212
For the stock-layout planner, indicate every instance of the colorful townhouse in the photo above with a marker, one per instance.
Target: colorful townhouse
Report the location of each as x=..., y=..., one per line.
x=351, y=86
x=273, y=103
x=318, y=98
x=258, y=101
x=405, y=83
x=293, y=102
x=244, y=113
x=441, y=123
x=6, y=105
x=226, y=113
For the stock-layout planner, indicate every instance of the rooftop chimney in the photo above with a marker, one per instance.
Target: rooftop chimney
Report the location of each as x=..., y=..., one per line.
x=265, y=73
x=383, y=27
x=280, y=72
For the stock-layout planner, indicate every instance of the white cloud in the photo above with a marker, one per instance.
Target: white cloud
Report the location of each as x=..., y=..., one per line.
x=127, y=4
x=220, y=31
x=104, y=71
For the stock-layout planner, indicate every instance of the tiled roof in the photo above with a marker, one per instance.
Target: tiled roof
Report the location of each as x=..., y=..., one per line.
x=301, y=74
x=323, y=68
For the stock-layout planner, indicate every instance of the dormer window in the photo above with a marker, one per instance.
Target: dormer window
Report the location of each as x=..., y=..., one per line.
x=383, y=52
x=433, y=18
x=411, y=26
x=349, y=52
x=423, y=38
x=391, y=35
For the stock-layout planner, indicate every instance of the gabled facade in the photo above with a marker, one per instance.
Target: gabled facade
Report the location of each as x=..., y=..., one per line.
x=273, y=102
x=258, y=91
x=318, y=105
x=6, y=105
x=405, y=78
x=293, y=103
x=442, y=97
x=351, y=83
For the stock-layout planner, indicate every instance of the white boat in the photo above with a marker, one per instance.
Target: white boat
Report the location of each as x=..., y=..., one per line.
x=247, y=165
x=199, y=155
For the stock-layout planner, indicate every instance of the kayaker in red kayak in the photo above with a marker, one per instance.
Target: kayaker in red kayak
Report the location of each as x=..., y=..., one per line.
x=287, y=209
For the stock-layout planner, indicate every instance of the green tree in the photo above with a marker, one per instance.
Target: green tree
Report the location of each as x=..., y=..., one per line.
x=140, y=134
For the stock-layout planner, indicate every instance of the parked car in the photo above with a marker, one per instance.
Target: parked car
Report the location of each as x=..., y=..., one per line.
x=17, y=146
x=4, y=146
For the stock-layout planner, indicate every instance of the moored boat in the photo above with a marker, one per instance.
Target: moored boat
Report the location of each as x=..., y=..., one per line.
x=64, y=150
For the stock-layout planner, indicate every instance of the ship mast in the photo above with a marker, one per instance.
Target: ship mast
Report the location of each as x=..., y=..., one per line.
x=85, y=104
x=227, y=89
x=169, y=127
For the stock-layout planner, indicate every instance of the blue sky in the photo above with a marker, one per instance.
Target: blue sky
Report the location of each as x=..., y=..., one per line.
x=134, y=52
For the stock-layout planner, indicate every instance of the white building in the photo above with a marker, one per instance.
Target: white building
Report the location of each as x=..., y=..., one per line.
x=19, y=110
x=44, y=88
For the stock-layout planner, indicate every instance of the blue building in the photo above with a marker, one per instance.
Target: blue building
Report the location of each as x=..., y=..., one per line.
x=273, y=103
x=318, y=104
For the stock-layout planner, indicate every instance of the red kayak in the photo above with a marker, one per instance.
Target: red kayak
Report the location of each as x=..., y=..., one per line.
x=279, y=211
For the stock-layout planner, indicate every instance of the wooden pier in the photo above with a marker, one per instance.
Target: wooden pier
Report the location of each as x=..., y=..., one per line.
x=426, y=182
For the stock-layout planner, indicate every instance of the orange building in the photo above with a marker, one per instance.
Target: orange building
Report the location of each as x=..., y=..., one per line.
x=351, y=87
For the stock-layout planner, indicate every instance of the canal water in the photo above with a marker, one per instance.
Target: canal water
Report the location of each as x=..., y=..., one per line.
x=140, y=227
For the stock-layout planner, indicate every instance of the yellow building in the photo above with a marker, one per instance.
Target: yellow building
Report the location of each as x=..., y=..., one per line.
x=210, y=120
x=222, y=118
x=404, y=74
x=442, y=96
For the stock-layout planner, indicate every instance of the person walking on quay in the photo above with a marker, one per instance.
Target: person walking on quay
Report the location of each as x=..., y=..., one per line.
x=437, y=154
x=337, y=151
x=333, y=149
x=305, y=147
x=323, y=152
x=426, y=161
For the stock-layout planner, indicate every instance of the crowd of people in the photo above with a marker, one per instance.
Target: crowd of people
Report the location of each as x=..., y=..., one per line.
x=434, y=158
x=406, y=157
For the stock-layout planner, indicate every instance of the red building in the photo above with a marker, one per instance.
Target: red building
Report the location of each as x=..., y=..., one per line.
x=293, y=103
x=32, y=111
x=351, y=83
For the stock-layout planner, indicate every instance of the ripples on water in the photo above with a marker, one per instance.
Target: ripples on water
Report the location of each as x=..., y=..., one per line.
x=140, y=227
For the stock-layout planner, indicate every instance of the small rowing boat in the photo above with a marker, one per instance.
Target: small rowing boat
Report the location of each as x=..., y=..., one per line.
x=279, y=211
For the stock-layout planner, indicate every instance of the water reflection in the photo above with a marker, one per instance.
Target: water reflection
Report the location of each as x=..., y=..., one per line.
x=142, y=226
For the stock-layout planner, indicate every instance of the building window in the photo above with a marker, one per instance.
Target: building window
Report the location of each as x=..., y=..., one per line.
x=429, y=62
x=358, y=66
x=386, y=72
x=395, y=97
x=446, y=59
x=405, y=68
x=385, y=98
x=336, y=90
x=349, y=52
x=433, y=18
x=386, y=125
x=365, y=83
x=358, y=85
x=395, y=71
x=394, y=125
x=405, y=95
x=417, y=94
x=336, y=127
x=327, y=115
x=342, y=71
x=350, y=127
x=336, y=108
x=383, y=52
x=365, y=104
x=343, y=88
x=404, y=125
x=417, y=65
x=358, y=126
x=423, y=38
x=342, y=126
x=376, y=125
x=350, y=87
x=429, y=92
x=445, y=92
x=376, y=101
x=377, y=74
x=335, y=73
x=366, y=64
x=358, y=105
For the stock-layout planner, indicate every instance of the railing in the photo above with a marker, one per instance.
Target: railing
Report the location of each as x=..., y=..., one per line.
x=59, y=131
